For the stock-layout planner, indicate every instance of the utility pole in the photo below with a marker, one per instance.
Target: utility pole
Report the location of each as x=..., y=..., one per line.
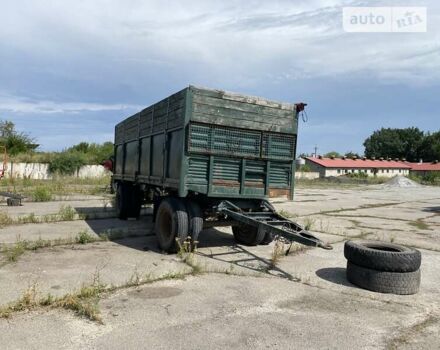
x=316, y=151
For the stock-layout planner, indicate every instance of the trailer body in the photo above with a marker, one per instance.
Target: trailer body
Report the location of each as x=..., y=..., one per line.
x=210, y=142
x=207, y=158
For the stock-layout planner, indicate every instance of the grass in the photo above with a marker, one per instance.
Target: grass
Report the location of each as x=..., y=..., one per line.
x=285, y=213
x=277, y=253
x=5, y=219
x=406, y=335
x=186, y=254
x=29, y=300
x=308, y=223
x=84, y=302
x=14, y=251
x=84, y=237
x=58, y=186
x=420, y=224
x=65, y=213
x=42, y=194
x=340, y=182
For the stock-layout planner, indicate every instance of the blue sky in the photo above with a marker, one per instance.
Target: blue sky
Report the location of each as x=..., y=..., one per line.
x=70, y=70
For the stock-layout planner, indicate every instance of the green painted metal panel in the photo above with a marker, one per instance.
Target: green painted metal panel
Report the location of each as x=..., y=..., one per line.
x=279, y=176
x=198, y=170
x=211, y=142
x=131, y=158
x=157, y=155
x=226, y=169
x=174, y=143
x=145, y=157
x=119, y=159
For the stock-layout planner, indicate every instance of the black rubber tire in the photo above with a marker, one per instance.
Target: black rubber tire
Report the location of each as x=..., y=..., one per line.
x=247, y=235
x=268, y=238
x=13, y=202
x=171, y=223
x=403, y=283
x=122, y=201
x=195, y=219
x=383, y=256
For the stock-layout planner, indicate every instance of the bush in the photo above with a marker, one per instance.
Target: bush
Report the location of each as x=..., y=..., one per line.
x=42, y=194
x=84, y=237
x=305, y=168
x=67, y=163
x=430, y=178
x=93, y=153
x=360, y=175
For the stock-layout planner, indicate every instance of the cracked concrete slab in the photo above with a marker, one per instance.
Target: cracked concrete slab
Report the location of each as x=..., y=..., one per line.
x=217, y=312
x=244, y=302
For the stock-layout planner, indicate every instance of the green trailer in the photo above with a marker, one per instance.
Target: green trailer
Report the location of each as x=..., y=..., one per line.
x=209, y=157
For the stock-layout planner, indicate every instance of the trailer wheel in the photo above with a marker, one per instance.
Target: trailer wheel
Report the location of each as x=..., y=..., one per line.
x=171, y=223
x=383, y=256
x=248, y=235
x=403, y=283
x=122, y=201
x=268, y=238
x=195, y=219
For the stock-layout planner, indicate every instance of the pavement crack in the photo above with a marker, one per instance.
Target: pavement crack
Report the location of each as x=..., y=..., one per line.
x=406, y=335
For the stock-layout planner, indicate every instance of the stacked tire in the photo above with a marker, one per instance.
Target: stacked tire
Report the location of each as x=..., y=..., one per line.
x=383, y=267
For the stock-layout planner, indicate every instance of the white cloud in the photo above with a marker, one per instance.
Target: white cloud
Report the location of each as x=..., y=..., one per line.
x=232, y=43
x=16, y=104
x=113, y=57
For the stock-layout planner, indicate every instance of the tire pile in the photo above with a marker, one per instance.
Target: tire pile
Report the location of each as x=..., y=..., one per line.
x=383, y=267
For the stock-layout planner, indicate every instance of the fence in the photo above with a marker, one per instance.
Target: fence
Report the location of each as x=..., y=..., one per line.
x=40, y=171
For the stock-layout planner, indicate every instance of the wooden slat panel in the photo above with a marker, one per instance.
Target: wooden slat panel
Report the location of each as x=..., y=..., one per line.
x=243, y=98
x=247, y=108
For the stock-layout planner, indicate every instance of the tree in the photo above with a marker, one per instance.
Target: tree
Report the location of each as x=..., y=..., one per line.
x=351, y=154
x=430, y=147
x=395, y=143
x=93, y=153
x=15, y=142
x=333, y=154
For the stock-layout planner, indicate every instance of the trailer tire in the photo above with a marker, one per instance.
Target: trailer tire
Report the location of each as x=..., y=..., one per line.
x=195, y=219
x=13, y=202
x=248, y=235
x=383, y=256
x=122, y=201
x=268, y=238
x=403, y=283
x=171, y=223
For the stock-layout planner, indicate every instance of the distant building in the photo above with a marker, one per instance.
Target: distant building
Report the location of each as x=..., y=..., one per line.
x=371, y=167
x=424, y=168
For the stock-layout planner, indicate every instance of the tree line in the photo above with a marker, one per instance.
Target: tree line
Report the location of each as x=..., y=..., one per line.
x=411, y=144
x=22, y=148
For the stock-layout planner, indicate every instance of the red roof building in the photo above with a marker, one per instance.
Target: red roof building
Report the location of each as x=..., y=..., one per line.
x=341, y=166
x=423, y=168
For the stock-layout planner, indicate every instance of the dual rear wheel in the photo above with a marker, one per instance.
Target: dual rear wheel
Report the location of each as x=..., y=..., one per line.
x=176, y=220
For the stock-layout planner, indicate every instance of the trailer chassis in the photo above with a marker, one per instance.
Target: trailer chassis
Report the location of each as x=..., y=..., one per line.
x=269, y=220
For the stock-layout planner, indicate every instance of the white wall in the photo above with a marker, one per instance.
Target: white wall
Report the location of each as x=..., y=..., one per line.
x=326, y=172
x=309, y=175
x=40, y=171
x=369, y=172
